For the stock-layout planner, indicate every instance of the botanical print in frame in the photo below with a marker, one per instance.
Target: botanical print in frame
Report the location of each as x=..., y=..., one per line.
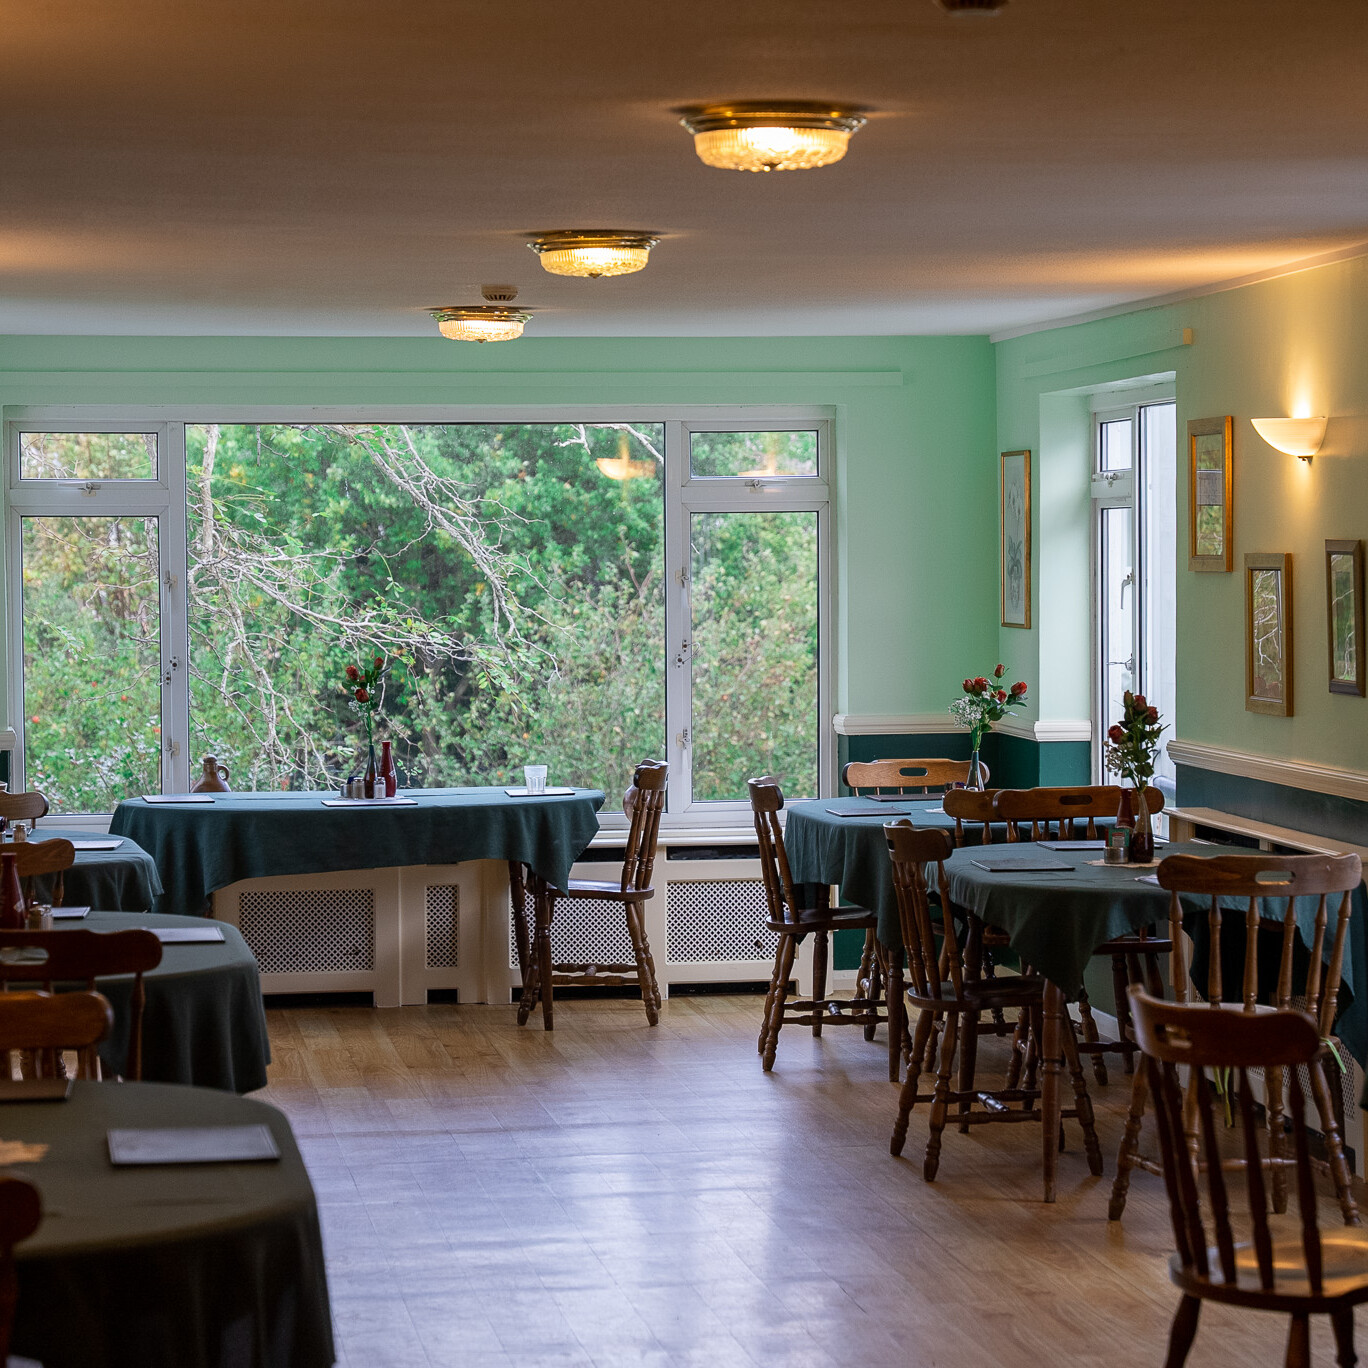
x=1210, y=478
x=1015, y=538
x=1268, y=634
x=1344, y=613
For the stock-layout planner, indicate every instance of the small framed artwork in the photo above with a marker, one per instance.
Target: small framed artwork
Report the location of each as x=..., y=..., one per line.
x=1015, y=537
x=1344, y=610
x=1268, y=634
x=1211, y=544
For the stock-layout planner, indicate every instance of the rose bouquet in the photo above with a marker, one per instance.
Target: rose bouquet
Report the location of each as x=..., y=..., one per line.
x=1132, y=744
x=985, y=701
x=362, y=684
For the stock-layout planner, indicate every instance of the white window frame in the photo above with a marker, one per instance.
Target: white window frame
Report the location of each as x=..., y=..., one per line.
x=165, y=499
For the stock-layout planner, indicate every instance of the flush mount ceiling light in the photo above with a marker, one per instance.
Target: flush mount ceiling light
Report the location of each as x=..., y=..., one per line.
x=593, y=252
x=1296, y=436
x=483, y=322
x=771, y=135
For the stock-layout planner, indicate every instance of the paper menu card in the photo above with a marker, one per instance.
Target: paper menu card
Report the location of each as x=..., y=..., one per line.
x=176, y=798
x=1026, y=864
x=193, y=1145
x=187, y=935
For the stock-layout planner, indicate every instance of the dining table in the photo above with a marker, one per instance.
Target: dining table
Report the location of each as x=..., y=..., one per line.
x=165, y=1265
x=111, y=872
x=202, y=846
x=204, y=1022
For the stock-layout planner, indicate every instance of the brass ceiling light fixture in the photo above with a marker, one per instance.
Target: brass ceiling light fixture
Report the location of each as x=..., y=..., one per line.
x=591, y=253
x=490, y=322
x=771, y=135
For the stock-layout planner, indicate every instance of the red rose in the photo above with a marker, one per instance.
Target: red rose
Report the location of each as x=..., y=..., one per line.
x=353, y=673
x=1139, y=701
x=1127, y=698
x=999, y=672
x=1000, y=695
x=379, y=662
x=1018, y=688
x=362, y=696
x=1151, y=715
x=980, y=683
x=1115, y=735
x=968, y=686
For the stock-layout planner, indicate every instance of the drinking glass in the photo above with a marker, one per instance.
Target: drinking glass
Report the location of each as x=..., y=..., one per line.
x=535, y=776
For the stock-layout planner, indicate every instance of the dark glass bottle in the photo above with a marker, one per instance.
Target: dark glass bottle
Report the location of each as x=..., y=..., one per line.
x=388, y=773
x=1142, y=839
x=368, y=790
x=11, y=893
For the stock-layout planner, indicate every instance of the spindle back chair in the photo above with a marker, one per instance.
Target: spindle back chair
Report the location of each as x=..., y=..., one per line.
x=916, y=776
x=971, y=806
x=1304, y=1274
x=43, y=1025
x=23, y=807
x=35, y=858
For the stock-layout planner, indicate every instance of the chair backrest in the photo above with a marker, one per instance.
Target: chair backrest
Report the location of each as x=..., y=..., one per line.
x=643, y=803
x=48, y=1023
x=43, y=857
x=1171, y=1035
x=911, y=850
x=767, y=802
x=23, y=807
x=1036, y=814
x=78, y=955
x=907, y=776
x=1268, y=886
x=973, y=806
x=21, y=1210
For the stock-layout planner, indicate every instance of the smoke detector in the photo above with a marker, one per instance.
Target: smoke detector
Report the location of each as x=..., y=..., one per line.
x=499, y=294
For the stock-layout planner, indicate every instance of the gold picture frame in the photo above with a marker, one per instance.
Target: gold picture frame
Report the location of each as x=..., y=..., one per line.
x=1344, y=615
x=1014, y=538
x=1268, y=634
x=1211, y=540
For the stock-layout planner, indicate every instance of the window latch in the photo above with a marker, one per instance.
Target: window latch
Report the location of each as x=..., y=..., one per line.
x=682, y=739
x=683, y=657
x=173, y=667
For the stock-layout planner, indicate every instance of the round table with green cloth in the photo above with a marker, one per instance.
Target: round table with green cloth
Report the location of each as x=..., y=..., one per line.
x=201, y=847
x=166, y=1266
x=204, y=1022
x=123, y=880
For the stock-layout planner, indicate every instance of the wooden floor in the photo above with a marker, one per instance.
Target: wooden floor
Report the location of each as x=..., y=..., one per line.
x=613, y=1195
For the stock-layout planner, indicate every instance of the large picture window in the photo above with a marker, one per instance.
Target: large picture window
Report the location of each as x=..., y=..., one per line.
x=577, y=592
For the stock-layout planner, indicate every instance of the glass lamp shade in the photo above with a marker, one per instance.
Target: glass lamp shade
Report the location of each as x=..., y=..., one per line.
x=480, y=323
x=754, y=136
x=1295, y=436
x=593, y=252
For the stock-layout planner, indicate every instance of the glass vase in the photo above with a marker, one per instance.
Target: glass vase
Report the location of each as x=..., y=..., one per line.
x=1142, y=838
x=975, y=779
x=368, y=783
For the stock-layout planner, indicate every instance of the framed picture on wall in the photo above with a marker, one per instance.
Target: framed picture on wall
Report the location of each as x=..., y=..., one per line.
x=1211, y=543
x=1268, y=634
x=1014, y=529
x=1344, y=613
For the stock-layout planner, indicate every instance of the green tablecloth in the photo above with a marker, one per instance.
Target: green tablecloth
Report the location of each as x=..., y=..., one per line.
x=201, y=847
x=125, y=879
x=1055, y=920
x=195, y=1266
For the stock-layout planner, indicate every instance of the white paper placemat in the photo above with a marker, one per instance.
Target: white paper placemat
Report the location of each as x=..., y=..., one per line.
x=112, y=843
x=176, y=798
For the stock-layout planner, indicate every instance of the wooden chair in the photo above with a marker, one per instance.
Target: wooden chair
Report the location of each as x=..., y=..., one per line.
x=1260, y=882
x=52, y=957
x=643, y=804
x=36, y=858
x=950, y=1002
x=43, y=1025
x=21, y=1210
x=973, y=812
x=1303, y=1274
x=1042, y=814
x=906, y=776
x=23, y=807
x=792, y=918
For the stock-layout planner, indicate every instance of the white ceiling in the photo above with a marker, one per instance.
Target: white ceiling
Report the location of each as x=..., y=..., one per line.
x=333, y=167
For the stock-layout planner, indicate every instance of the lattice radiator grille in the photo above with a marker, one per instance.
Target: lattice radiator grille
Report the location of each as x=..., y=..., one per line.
x=717, y=919
x=585, y=931
x=443, y=925
x=309, y=930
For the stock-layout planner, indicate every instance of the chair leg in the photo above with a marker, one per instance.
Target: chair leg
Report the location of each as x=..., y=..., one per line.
x=645, y=966
x=1299, y=1342
x=968, y=1064
x=775, y=1020
x=545, y=904
x=1275, y=1081
x=1091, y=1037
x=821, y=942
x=1120, y=982
x=1342, y=1322
x=1334, y=1143
x=941, y=1103
x=769, y=996
x=907, y=1095
x=866, y=978
x=1183, y=1331
x=1130, y=1146
x=1082, y=1101
x=897, y=1015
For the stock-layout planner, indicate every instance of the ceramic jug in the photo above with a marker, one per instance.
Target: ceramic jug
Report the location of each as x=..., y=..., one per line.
x=214, y=779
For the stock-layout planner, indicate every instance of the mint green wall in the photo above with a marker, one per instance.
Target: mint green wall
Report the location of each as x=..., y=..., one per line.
x=1297, y=343
x=915, y=558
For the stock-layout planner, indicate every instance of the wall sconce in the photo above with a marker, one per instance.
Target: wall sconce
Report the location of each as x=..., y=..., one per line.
x=1300, y=437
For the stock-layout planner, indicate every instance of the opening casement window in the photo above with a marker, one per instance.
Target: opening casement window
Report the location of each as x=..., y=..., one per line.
x=579, y=590
x=1134, y=560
